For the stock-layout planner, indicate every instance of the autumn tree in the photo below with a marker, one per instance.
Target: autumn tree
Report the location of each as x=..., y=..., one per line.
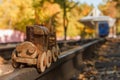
x=16, y=14
x=109, y=9
x=112, y=8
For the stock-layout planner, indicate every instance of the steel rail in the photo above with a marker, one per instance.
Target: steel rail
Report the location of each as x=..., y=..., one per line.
x=6, y=49
x=71, y=51
x=13, y=45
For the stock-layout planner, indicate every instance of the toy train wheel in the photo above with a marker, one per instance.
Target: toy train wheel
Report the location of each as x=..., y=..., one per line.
x=54, y=54
x=41, y=64
x=14, y=63
x=49, y=58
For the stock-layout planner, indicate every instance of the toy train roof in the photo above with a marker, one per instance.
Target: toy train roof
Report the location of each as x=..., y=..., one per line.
x=96, y=16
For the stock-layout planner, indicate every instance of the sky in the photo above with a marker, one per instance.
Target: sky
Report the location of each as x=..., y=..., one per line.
x=94, y=2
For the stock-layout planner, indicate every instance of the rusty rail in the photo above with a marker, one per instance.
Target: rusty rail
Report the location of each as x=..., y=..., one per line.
x=60, y=70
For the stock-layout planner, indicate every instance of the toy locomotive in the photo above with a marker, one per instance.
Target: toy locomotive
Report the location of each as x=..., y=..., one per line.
x=39, y=49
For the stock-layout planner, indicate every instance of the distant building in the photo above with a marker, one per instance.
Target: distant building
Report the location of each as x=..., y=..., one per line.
x=95, y=17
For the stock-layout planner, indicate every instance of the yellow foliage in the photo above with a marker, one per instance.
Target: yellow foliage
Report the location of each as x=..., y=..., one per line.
x=13, y=11
x=51, y=8
x=109, y=9
x=19, y=13
x=88, y=30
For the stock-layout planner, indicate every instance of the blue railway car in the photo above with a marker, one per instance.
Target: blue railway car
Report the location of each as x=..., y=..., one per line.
x=103, y=29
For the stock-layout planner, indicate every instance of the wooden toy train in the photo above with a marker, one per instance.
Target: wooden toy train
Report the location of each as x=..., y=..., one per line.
x=39, y=49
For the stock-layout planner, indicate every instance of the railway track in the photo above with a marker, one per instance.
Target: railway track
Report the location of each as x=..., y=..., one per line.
x=67, y=66
x=7, y=48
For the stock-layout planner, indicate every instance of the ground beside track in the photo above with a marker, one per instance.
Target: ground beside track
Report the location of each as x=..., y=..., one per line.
x=106, y=67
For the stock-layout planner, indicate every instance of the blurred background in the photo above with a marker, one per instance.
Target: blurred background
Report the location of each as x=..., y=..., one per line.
x=64, y=15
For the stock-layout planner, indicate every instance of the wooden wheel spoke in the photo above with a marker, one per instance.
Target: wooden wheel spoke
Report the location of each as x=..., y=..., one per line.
x=49, y=58
x=41, y=64
x=54, y=54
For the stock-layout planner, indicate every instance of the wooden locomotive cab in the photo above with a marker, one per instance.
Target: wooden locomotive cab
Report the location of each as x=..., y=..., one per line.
x=40, y=49
x=38, y=35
